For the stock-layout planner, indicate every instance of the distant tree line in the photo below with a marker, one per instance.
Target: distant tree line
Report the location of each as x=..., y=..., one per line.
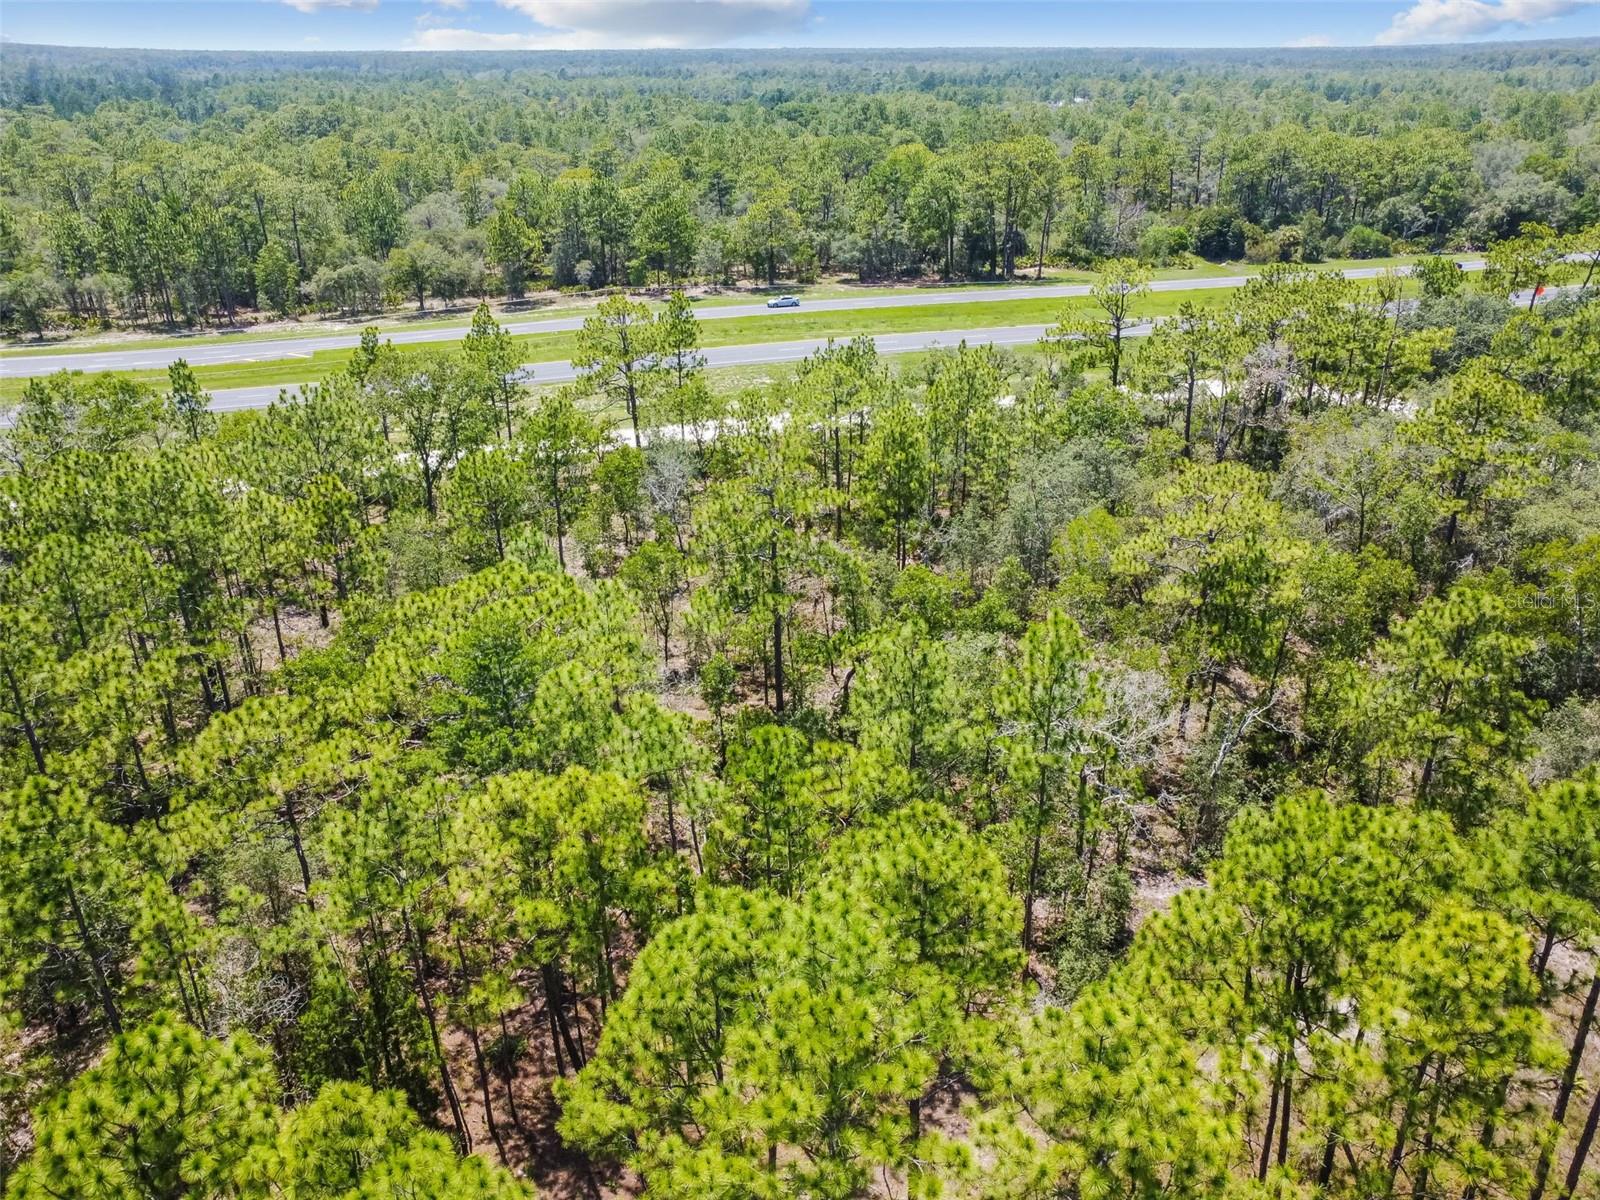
x=163, y=189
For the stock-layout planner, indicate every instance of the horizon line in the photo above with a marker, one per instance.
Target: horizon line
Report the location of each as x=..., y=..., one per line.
x=1344, y=47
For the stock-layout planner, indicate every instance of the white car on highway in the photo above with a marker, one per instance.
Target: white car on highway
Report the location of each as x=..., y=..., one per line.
x=784, y=302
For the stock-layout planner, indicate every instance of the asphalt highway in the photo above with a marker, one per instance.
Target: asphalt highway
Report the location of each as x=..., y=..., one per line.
x=215, y=350
x=235, y=399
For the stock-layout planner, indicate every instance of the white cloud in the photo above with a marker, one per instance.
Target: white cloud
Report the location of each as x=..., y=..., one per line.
x=474, y=39
x=430, y=18
x=456, y=4
x=311, y=6
x=1452, y=20
x=1311, y=41
x=630, y=24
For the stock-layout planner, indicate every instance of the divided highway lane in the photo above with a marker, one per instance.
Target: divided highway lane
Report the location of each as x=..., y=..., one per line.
x=761, y=354
x=219, y=353
x=758, y=354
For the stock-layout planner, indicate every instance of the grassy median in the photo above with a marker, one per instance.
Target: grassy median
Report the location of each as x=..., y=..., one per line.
x=789, y=326
x=460, y=317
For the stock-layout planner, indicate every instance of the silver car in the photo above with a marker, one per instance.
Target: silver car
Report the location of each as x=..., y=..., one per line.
x=784, y=302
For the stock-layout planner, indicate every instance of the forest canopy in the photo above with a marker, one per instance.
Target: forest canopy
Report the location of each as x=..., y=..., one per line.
x=142, y=186
x=1159, y=763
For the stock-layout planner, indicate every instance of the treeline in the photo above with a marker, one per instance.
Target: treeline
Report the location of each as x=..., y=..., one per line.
x=188, y=192
x=768, y=781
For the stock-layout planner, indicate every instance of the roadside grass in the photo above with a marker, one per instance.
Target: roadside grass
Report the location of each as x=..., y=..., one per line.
x=565, y=306
x=461, y=317
x=792, y=325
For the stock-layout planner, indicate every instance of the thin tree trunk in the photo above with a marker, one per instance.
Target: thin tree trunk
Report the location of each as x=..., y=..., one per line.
x=561, y=530
x=419, y=975
x=1325, y=1170
x=506, y=1075
x=481, y=1064
x=1284, y=1115
x=1033, y=876
x=483, y=1087
x=555, y=1000
x=1569, y=1077
x=380, y=1010
x=1486, y=1137
x=777, y=662
x=292, y=819
x=1188, y=419
x=1403, y=1131
x=1272, y=1121
x=101, y=984
x=1581, y=1152
x=27, y=724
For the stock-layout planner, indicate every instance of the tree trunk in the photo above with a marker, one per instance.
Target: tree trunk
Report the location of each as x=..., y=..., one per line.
x=1486, y=1136
x=555, y=1001
x=506, y=1076
x=1569, y=1077
x=561, y=529
x=1033, y=876
x=1188, y=419
x=420, y=979
x=1284, y=1115
x=483, y=1088
x=481, y=1064
x=1272, y=1121
x=1581, y=1152
x=1403, y=1131
x=292, y=819
x=27, y=724
x=777, y=662
x=102, y=985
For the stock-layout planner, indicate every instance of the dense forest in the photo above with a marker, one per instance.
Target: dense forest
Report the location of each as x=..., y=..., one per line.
x=1157, y=768
x=144, y=187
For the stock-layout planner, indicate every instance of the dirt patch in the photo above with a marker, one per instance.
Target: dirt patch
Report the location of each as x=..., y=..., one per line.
x=526, y=1112
x=301, y=630
x=1155, y=893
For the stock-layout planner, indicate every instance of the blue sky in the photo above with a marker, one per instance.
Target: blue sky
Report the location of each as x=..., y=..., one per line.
x=583, y=24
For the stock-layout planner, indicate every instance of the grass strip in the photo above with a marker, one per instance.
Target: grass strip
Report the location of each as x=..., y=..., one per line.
x=396, y=322
x=793, y=325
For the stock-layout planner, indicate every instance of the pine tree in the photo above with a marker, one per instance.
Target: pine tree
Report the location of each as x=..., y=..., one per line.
x=904, y=703
x=167, y=1113
x=1047, y=700
x=442, y=411
x=1099, y=339
x=1554, y=884
x=1181, y=357
x=1448, y=703
x=490, y=493
x=1480, y=432
x=656, y=572
x=489, y=350
x=838, y=387
x=559, y=443
x=188, y=407
x=896, y=470
x=756, y=540
x=70, y=894
x=618, y=356
x=964, y=430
